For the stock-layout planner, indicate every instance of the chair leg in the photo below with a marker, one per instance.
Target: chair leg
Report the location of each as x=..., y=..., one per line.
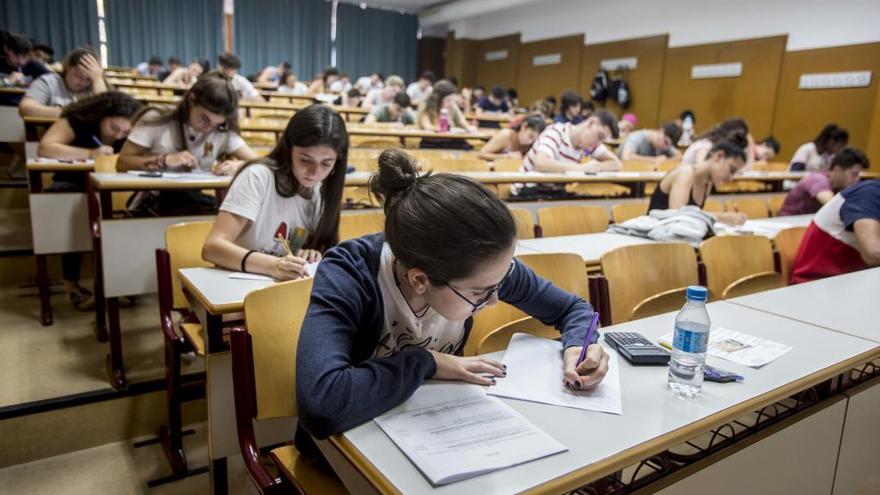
x=43, y=286
x=171, y=436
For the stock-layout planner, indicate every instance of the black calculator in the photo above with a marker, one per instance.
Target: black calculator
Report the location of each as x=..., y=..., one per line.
x=637, y=349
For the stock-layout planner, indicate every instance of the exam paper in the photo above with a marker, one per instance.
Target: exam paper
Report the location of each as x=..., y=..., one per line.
x=757, y=227
x=310, y=267
x=740, y=348
x=452, y=432
x=534, y=373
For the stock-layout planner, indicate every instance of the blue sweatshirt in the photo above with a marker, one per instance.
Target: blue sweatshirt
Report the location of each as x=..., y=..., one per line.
x=340, y=384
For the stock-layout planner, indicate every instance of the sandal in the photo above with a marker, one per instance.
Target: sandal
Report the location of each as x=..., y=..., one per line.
x=81, y=299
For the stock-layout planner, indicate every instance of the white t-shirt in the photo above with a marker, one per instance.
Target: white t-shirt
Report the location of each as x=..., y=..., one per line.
x=298, y=89
x=417, y=94
x=252, y=196
x=809, y=156
x=401, y=328
x=244, y=88
x=365, y=84
x=50, y=90
x=165, y=138
x=697, y=147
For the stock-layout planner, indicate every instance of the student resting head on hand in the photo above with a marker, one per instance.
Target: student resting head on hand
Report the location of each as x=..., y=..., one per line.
x=298, y=184
x=391, y=310
x=81, y=76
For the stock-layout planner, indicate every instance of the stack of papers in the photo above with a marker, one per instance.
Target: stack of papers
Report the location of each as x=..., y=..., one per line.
x=534, y=373
x=740, y=348
x=311, y=268
x=453, y=432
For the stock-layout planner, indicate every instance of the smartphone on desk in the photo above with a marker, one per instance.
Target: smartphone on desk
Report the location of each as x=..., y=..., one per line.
x=150, y=173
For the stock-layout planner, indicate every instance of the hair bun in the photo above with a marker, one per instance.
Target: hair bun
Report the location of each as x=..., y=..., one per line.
x=398, y=172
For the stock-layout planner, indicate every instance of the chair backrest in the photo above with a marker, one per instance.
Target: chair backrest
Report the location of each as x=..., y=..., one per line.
x=273, y=316
x=658, y=304
x=364, y=164
x=184, y=242
x=667, y=165
x=507, y=165
x=565, y=270
x=499, y=339
x=570, y=220
x=638, y=166
x=775, y=203
x=750, y=284
x=525, y=223
x=455, y=165
x=635, y=273
x=752, y=207
x=622, y=212
x=787, y=243
x=352, y=225
x=730, y=258
x=713, y=205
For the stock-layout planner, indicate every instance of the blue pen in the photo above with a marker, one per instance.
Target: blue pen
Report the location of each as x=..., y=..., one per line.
x=97, y=141
x=588, y=339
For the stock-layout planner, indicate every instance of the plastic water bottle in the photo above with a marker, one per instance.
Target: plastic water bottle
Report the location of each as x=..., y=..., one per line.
x=689, y=344
x=443, y=120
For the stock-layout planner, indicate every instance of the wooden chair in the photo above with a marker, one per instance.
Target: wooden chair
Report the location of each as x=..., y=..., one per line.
x=597, y=189
x=359, y=196
x=622, y=212
x=183, y=249
x=455, y=165
x=525, y=223
x=264, y=386
x=668, y=165
x=750, y=284
x=637, y=273
x=664, y=302
x=565, y=270
x=775, y=203
x=570, y=220
x=364, y=164
x=713, y=206
x=752, y=207
x=352, y=225
x=787, y=242
x=730, y=258
x=637, y=166
x=499, y=339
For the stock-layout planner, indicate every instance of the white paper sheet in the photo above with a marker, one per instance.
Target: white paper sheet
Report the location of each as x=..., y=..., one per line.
x=740, y=348
x=757, y=227
x=310, y=267
x=534, y=373
x=454, y=431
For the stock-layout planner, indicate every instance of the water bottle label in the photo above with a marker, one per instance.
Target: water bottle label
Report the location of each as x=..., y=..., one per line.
x=690, y=341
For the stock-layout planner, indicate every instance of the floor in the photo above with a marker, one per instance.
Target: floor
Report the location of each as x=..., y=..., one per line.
x=65, y=358
x=119, y=469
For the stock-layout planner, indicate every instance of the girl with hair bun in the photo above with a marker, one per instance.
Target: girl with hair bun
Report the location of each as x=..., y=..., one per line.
x=391, y=310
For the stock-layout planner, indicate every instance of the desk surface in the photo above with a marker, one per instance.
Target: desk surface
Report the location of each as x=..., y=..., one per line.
x=218, y=293
x=132, y=182
x=845, y=303
x=269, y=125
x=653, y=419
x=590, y=247
x=46, y=165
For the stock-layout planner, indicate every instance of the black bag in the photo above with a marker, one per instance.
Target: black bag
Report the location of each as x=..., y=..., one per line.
x=599, y=87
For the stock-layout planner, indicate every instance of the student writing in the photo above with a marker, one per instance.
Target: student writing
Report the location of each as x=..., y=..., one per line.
x=514, y=142
x=391, y=310
x=651, y=145
x=298, y=184
x=817, y=154
x=562, y=146
x=817, y=188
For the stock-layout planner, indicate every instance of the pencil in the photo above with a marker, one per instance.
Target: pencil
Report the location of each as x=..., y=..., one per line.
x=283, y=242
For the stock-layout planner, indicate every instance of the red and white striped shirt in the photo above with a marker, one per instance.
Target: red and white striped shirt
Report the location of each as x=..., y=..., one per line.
x=555, y=142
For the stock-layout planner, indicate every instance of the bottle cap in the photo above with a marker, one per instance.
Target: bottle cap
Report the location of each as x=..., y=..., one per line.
x=697, y=293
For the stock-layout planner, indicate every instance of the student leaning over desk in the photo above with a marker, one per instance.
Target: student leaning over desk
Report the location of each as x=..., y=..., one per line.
x=81, y=76
x=298, y=184
x=89, y=128
x=389, y=311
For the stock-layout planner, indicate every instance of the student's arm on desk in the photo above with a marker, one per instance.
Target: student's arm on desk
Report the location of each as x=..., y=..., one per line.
x=493, y=149
x=546, y=164
x=567, y=313
x=55, y=143
x=867, y=232
x=220, y=248
x=29, y=107
x=241, y=155
x=606, y=160
x=136, y=157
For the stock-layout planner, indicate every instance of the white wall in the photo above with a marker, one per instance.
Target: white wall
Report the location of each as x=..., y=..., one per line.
x=808, y=23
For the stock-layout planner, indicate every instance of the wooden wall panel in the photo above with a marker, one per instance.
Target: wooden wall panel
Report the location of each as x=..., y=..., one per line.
x=750, y=96
x=644, y=81
x=431, y=52
x=801, y=113
x=503, y=72
x=537, y=82
x=874, y=133
x=461, y=56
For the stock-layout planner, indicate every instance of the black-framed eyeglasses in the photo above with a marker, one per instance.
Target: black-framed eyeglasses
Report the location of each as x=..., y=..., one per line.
x=489, y=293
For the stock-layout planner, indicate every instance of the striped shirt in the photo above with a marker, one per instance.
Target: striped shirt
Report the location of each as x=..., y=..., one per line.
x=555, y=142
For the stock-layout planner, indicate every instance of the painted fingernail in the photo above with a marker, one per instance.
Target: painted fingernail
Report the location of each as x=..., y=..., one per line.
x=503, y=373
x=577, y=384
x=493, y=381
x=504, y=366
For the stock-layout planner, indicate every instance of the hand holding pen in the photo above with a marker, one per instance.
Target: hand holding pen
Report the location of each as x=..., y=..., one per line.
x=585, y=366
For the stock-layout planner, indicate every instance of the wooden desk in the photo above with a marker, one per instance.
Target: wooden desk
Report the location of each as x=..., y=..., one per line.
x=846, y=303
x=653, y=420
x=59, y=222
x=590, y=247
x=268, y=125
x=146, y=86
x=12, y=90
x=212, y=294
x=124, y=248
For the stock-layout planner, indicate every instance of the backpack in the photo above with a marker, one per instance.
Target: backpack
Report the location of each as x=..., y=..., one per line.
x=599, y=86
